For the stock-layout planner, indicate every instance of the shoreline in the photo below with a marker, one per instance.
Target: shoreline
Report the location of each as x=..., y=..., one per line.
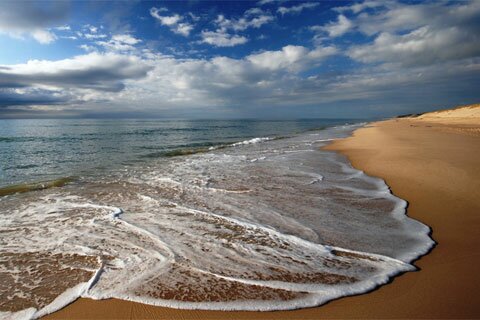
x=414, y=294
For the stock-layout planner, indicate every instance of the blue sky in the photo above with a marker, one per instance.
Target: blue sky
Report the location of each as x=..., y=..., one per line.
x=237, y=59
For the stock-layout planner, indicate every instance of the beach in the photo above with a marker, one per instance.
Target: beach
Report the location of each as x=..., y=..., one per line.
x=264, y=221
x=264, y=159
x=430, y=161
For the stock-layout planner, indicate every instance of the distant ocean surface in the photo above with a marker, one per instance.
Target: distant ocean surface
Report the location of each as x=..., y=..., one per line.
x=37, y=150
x=221, y=215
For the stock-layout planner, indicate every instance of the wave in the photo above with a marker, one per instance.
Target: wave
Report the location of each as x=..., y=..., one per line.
x=195, y=148
x=17, y=139
x=261, y=224
x=184, y=151
x=285, y=289
x=251, y=141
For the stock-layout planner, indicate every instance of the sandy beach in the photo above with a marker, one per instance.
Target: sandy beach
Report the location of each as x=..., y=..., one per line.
x=432, y=161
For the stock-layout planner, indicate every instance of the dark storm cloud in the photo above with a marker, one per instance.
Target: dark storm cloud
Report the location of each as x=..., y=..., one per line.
x=34, y=14
x=33, y=18
x=10, y=98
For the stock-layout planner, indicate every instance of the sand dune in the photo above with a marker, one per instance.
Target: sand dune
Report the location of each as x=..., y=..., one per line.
x=467, y=115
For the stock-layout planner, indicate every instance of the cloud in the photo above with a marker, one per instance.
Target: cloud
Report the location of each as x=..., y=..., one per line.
x=252, y=18
x=90, y=36
x=225, y=34
x=90, y=32
x=118, y=43
x=361, y=6
x=44, y=36
x=408, y=35
x=423, y=46
x=183, y=29
x=158, y=82
x=431, y=46
x=173, y=22
x=298, y=8
x=11, y=97
x=88, y=48
x=420, y=34
x=93, y=29
x=293, y=58
x=221, y=38
x=404, y=56
x=255, y=87
x=264, y=2
x=94, y=71
x=64, y=27
x=336, y=29
x=271, y=81
x=223, y=81
x=166, y=20
x=34, y=20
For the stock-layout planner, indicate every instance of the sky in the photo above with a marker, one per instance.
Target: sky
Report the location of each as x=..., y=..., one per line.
x=266, y=59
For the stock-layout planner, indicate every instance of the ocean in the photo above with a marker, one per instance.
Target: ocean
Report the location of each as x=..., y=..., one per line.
x=221, y=215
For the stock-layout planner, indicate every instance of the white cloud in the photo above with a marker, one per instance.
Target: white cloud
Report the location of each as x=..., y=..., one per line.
x=44, y=36
x=409, y=35
x=119, y=43
x=253, y=18
x=421, y=34
x=361, y=6
x=423, y=46
x=90, y=36
x=194, y=17
x=221, y=38
x=293, y=58
x=166, y=20
x=65, y=27
x=264, y=2
x=225, y=35
x=90, y=32
x=183, y=29
x=221, y=81
x=88, y=48
x=174, y=22
x=297, y=9
x=125, y=38
x=336, y=29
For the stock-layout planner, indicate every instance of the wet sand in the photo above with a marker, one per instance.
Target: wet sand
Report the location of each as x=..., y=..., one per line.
x=432, y=164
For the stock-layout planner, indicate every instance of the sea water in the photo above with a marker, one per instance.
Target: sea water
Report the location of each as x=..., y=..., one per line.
x=220, y=215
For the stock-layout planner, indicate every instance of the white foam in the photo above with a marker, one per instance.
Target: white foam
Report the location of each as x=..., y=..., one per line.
x=251, y=141
x=19, y=315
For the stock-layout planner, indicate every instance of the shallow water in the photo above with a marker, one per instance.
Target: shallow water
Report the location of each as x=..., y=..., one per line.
x=263, y=224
